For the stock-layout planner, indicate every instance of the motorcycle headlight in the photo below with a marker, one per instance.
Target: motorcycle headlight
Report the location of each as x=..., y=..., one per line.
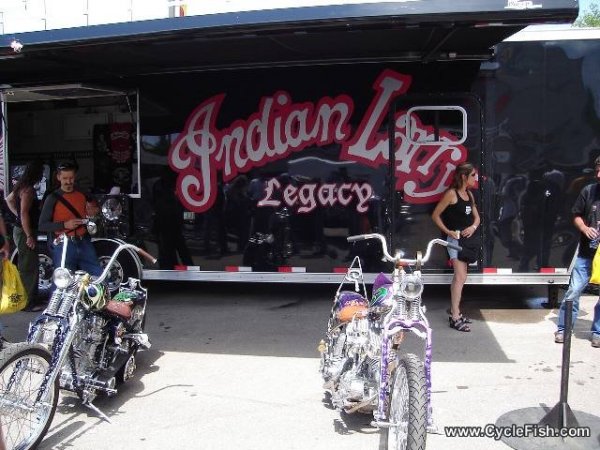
x=112, y=209
x=62, y=277
x=412, y=286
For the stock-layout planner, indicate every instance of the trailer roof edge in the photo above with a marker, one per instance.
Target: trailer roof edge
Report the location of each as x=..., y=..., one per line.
x=417, y=11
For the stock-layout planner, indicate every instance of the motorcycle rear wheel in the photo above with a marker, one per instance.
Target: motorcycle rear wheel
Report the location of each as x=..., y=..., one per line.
x=407, y=407
x=23, y=422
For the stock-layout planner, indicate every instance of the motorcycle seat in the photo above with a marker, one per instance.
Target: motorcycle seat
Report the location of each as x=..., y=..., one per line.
x=120, y=309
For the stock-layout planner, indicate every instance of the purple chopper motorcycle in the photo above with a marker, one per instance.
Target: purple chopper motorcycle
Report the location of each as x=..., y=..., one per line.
x=363, y=362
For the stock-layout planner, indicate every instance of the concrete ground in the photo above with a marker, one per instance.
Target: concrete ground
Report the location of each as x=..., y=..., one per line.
x=236, y=366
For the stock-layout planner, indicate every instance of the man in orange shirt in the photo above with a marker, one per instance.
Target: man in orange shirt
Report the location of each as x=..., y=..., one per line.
x=64, y=212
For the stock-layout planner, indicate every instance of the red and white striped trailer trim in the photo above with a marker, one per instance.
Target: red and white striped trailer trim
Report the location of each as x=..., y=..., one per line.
x=238, y=269
x=495, y=270
x=291, y=269
x=504, y=270
x=181, y=267
x=553, y=270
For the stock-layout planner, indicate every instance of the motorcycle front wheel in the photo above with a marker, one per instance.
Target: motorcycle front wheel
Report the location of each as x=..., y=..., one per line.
x=23, y=421
x=406, y=408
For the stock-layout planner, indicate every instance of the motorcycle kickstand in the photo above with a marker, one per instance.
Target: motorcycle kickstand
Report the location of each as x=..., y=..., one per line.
x=97, y=411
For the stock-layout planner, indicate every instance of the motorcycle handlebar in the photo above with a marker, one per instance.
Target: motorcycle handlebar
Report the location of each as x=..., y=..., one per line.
x=398, y=257
x=118, y=250
x=146, y=255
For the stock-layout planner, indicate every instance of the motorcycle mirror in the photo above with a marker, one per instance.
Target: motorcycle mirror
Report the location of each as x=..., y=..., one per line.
x=353, y=276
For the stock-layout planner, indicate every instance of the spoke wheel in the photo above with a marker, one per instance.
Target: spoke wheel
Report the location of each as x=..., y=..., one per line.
x=23, y=421
x=116, y=275
x=46, y=268
x=407, y=407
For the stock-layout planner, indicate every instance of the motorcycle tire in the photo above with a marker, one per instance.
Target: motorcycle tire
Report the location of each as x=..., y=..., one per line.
x=126, y=373
x=20, y=428
x=407, y=406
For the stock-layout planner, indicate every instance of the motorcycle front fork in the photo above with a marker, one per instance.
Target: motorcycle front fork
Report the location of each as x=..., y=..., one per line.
x=387, y=369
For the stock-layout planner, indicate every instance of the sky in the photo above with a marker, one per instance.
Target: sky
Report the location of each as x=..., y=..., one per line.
x=585, y=4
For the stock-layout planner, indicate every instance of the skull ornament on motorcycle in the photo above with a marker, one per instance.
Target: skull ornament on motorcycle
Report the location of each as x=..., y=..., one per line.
x=362, y=360
x=84, y=342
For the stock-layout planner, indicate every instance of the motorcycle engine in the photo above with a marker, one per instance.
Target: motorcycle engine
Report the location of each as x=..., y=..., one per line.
x=354, y=366
x=88, y=342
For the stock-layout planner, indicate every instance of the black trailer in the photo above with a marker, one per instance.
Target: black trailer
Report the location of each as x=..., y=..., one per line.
x=247, y=146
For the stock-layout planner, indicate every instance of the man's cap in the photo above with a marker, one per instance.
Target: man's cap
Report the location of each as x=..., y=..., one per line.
x=66, y=165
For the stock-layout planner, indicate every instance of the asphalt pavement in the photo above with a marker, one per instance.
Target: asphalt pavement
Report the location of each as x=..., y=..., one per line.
x=236, y=366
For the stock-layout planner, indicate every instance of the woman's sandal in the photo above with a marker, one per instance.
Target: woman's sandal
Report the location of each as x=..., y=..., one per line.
x=460, y=324
x=465, y=318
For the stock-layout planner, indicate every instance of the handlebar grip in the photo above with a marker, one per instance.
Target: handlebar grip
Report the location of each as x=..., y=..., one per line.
x=146, y=255
x=355, y=238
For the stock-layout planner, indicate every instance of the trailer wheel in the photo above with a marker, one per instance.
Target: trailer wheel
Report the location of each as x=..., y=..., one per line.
x=124, y=267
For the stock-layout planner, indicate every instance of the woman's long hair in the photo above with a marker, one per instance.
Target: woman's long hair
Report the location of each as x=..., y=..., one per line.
x=31, y=175
x=462, y=169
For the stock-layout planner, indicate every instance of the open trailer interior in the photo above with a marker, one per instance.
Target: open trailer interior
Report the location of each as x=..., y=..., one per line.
x=247, y=146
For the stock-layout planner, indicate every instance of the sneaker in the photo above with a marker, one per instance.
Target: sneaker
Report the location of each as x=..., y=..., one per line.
x=559, y=337
x=596, y=341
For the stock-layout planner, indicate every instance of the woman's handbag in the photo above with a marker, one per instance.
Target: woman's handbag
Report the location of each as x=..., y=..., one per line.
x=595, y=278
x=14, y=297
x=471, y=248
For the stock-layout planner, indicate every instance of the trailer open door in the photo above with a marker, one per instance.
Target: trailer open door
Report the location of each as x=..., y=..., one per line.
x=428, y=136
x=95, y=127
x=108, y=116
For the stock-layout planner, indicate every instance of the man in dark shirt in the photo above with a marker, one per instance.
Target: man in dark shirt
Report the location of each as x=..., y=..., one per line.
x=57, y=218
x=586, y=212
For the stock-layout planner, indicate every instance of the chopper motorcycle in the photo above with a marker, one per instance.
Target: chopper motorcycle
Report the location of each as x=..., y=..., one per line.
x=83, y=342
x=363, y=364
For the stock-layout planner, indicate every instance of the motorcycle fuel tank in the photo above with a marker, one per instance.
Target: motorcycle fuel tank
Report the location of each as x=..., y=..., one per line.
x=348, y=304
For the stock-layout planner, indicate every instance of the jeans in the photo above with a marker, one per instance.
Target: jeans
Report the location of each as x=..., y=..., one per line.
x=452, y=253
x=81, y=254
x=579, y=279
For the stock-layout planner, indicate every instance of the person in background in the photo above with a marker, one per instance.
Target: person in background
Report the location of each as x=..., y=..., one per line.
x=586, y=218
x=23, y=203
x=64, y=212
x=5, y=251
x=168, y=222
x=456, y=215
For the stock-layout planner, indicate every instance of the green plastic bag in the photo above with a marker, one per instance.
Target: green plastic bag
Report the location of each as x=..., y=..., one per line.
x=14, y=297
